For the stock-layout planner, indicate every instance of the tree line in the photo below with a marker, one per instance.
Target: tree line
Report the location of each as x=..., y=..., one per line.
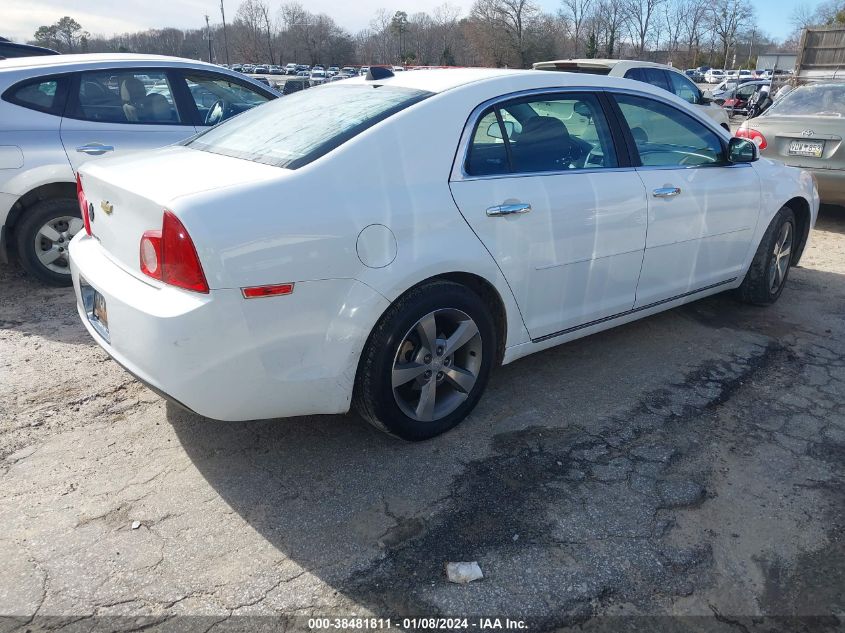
x=499, y=33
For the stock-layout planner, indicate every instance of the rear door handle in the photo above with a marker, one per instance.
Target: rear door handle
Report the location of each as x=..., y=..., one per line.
x=508, y=209
x=666, y=192
x=95, y=149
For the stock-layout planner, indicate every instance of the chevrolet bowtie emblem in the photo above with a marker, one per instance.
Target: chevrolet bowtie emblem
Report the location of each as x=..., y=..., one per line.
x=107, y=207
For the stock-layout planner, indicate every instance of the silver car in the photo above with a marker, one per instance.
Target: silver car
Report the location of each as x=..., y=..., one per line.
x=57, y=112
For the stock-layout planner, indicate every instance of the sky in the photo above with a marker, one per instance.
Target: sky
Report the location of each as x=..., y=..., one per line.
x=20, y=18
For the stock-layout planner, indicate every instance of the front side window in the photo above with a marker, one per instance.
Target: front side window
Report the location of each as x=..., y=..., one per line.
x=683, y=87
x=125, y=96
x=218, y=98
x=299, y=128
x=666, y=137
x=548, y=133
x=41, y=94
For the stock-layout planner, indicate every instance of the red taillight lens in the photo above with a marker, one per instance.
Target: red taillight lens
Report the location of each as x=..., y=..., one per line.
x=752, y=135
x=169, y=255
x=151, y=254
x=83, y=204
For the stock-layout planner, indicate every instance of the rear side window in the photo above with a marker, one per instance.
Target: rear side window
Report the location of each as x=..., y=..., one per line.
x=298, y=129
x=44, y=94
x=124, y=96
x=548, y=133
x=653, y=76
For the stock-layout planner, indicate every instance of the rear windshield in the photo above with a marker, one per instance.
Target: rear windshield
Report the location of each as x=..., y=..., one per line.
x=824, y=100
x=299, y=128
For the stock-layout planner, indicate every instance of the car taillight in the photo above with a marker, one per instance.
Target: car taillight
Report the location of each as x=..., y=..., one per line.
x=151, y=254
x=83, y=204
x=169, y=255
x=752, y=135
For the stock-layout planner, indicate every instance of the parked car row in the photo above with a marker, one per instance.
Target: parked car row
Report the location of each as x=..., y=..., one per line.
x=302, y=70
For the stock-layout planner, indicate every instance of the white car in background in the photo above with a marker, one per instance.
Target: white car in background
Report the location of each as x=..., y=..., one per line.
x=714, y=76
x=286, y=264
x=58, y=112
x=658, y=75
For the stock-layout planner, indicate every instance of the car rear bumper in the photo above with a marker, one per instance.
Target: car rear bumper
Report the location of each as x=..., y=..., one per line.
x=831, y=184
x=226, y=357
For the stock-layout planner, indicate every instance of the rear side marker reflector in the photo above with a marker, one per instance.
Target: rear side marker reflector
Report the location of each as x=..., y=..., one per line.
x=256, y=292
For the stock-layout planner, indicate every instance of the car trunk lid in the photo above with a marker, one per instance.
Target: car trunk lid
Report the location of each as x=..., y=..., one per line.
x=130, y=194
x=801, y=141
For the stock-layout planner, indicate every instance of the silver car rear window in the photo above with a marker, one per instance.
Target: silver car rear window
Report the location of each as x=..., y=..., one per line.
x=821, y=100
x=299, y=128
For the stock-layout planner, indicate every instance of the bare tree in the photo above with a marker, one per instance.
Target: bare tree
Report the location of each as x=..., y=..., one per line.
x=803, y=16
x=692, y=16
x=728, y=17
x=609, y=21
x=579, y=12
x=639, y=15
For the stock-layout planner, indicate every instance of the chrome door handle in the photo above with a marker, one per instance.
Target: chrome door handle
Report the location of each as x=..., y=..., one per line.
x=666, y=192
x=508, y=209
x=95, y=149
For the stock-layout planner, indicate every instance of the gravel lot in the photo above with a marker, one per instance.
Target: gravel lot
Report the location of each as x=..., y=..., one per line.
x=687, y=464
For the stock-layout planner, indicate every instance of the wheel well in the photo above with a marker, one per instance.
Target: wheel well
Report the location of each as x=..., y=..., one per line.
x=490, y=296
x=44, y=192
x=801, y=208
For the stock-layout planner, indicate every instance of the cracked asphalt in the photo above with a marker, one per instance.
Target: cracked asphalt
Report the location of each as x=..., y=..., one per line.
x=689, y=464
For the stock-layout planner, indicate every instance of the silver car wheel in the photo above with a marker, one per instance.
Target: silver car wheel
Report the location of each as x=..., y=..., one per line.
x=436, y=365
x=780, y=257
x=51, y=242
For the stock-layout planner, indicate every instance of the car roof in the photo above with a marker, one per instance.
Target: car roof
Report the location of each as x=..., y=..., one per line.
x=442, y=80
x=69, y=62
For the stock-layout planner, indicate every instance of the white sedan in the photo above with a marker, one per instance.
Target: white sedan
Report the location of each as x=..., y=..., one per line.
x=384, y=243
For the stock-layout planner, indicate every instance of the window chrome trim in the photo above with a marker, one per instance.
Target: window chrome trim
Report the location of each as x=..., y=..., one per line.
x=458, y=172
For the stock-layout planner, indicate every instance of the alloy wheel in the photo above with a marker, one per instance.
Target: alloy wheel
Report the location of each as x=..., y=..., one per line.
x=780, y=258
x=436, y=365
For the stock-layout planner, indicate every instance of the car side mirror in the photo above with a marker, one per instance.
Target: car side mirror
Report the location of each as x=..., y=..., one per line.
x=494, y=131
x=742, y=150
x=706, y=97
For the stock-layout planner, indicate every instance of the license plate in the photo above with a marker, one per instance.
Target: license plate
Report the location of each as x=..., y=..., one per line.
x=95, y=308
x=806, y=148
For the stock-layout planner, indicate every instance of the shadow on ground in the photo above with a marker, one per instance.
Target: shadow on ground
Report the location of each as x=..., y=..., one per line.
x=574, y=481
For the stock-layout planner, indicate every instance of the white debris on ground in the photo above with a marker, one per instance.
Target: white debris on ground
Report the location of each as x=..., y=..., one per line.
x=136, y=525
x=463, y=573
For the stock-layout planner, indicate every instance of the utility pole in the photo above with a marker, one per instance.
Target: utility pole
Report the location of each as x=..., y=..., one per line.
x=225, y=37
x=208, y=37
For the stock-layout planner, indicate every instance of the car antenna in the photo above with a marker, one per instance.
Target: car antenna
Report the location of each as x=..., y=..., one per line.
x=376, y=73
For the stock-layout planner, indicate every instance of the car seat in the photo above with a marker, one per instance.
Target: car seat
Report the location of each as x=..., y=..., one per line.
x=133, y=94
x=542, y=145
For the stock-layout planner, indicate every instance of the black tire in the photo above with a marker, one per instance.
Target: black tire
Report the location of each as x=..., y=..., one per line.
x=27, y=229
x=374, y=393
x=758, y=287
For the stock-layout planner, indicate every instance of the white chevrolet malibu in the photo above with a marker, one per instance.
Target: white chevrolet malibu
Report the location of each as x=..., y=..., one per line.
x=383, y=242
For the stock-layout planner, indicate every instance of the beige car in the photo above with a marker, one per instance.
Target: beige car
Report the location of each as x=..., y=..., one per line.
x=806, y=129
x=659, y=75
